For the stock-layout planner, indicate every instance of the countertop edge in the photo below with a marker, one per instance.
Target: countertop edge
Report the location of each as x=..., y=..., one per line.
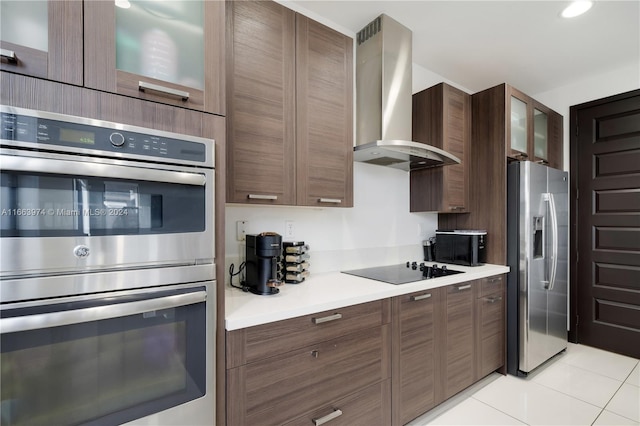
x=331, y=290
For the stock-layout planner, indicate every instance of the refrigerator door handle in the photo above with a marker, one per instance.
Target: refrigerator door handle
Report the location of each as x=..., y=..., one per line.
x=554, y=241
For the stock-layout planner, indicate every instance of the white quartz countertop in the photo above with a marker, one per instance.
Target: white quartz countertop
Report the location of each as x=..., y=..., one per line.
x=331, y=290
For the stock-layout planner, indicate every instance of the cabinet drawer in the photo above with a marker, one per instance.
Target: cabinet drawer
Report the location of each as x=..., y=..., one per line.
x=287, y=386
x=368, y=407
x=491, y=285
x=259, y=342
x=491, y=315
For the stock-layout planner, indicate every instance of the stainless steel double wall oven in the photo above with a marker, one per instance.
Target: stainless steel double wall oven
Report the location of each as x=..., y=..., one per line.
x=107, y=273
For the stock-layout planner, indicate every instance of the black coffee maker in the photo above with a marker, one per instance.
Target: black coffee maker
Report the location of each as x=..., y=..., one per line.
x=261, y=265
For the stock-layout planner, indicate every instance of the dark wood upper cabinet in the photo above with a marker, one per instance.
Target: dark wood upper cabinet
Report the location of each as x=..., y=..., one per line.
x=165, y=52
x=324, y=107
x=534, y=131
x=290, y=108
x=52, y=49
x=261, y=103
x=442, y=118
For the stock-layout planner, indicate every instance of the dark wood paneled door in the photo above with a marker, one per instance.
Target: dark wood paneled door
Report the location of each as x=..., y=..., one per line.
x=605, y=168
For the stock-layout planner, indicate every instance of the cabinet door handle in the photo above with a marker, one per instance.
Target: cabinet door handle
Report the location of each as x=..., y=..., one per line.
x=522, y=155
x=143, y=86
x=327, y=418
x=420, y=297
x=495, y=279
x=326, y=319
x=262, y=197
x=456, y=208
x=464, y=287
x=544, y=162
x=9, y=55
x=494, y=299
x=330, y=200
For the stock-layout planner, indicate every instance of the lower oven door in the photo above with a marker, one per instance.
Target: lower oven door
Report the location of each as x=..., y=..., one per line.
x=132, y=356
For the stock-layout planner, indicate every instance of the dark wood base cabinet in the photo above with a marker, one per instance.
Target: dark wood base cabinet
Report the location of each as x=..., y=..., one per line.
x=379, y=363
x=335, y=366
x=443, y=341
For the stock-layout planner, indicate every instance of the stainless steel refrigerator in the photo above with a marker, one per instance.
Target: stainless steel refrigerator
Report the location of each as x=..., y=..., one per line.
x=537, y=253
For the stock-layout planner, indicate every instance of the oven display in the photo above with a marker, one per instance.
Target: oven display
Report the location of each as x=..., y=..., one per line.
x=77, y=136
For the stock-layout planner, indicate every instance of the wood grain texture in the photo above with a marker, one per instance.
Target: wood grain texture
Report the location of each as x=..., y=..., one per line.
x=287, y=386
x=416, y=361
x=324, y=108
x=261, y=102
x=442, y=118
x=459, y=343
x=556, y=136
x=371, y=406
x=259, y=342
x=490, y=326
x=487, y=189
x=63, y=60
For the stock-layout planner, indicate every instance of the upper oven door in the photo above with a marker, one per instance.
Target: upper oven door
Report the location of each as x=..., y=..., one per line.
x=64, y=213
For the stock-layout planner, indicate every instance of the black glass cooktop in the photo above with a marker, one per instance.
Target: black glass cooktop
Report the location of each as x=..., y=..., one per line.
x=403, y=273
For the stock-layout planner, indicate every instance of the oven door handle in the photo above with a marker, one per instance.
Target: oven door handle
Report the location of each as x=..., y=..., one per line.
x=97, y=313
x=79, y=168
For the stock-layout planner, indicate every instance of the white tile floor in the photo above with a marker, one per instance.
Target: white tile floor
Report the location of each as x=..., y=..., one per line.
x=582, y=386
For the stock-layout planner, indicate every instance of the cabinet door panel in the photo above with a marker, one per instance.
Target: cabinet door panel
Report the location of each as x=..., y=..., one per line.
x=261, y=101
x=51, y=47
x=459, y=337
x=324, y=72
x=415, y=354
x=442, y=118
x=490, y=331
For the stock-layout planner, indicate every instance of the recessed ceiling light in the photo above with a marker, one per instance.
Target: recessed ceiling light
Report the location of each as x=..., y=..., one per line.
x=123, y=4
x=576, y=8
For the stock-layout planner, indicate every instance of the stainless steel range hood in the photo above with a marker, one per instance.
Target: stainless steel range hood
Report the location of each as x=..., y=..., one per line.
x=383, y=100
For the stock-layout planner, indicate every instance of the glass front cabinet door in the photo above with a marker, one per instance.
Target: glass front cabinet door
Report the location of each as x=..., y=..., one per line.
x=42, y=39
x=518, y=125
x=164, y=51
x=540, y=136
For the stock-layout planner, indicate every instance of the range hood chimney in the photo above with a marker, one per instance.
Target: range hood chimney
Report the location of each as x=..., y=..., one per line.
x=383, y=100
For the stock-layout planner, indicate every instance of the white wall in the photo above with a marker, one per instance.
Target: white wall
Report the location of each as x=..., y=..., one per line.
x=612, y=83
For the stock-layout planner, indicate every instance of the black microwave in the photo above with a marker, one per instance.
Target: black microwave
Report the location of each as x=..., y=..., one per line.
x=461, y=247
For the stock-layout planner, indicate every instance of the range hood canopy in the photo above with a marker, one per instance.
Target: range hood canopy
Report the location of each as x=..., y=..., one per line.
x=383, y=100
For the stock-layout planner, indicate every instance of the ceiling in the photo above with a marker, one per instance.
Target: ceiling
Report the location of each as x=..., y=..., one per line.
x=479, y=44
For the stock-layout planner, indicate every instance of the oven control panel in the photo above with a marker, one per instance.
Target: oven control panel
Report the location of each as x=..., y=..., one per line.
x=102, y=137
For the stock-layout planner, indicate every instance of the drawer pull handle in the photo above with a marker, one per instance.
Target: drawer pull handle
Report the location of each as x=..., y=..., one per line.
x=420, y=297
x=327, y=319
x=9, y=55
x=330, y=200
x=456, y=208
x=327, y=418
x=494, y=299
x=262, y=197
x=464, y=287
x=143, y=86
x=495, y=280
